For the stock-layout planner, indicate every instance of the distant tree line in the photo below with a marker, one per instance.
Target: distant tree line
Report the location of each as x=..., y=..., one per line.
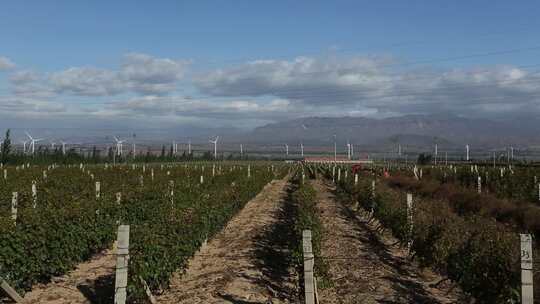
x=44, y=155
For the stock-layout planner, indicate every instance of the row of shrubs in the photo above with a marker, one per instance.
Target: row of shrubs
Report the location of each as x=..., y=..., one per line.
x=306, y=217
x=465, y=201
x=479, y=254
x=60, y=233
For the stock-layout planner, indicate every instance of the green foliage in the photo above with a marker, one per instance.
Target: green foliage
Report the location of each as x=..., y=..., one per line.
x=69, y=224
x=476, y=252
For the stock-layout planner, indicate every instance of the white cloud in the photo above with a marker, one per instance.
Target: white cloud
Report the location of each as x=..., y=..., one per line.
x=375, y=84
x=138, y=73
x=6, y=64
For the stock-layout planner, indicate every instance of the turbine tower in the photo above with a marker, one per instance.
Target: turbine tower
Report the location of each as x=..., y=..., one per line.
x=215, y=141
x=119, y=145
x=33, y=142
x=302, y=149
x=63, y=147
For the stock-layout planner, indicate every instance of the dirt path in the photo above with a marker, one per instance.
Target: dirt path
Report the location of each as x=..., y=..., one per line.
x=90, y=283
x=380, y=271
x=246, y=262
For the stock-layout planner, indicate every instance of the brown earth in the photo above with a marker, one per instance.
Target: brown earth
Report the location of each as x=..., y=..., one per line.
x=90, y=283
x=246, y=262
x=367, y=266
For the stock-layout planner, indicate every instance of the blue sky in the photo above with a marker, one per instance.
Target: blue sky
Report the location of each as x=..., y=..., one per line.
x=106, y=60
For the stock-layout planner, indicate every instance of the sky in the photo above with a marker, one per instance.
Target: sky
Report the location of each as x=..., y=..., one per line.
x=120, y=66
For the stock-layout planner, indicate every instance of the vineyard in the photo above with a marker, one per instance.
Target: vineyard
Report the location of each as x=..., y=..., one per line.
x=76, y=211
x=453, y=229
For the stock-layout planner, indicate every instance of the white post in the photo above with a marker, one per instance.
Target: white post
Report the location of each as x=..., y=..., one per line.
x=98, y=190
x=249, y=171
x=356, y=179
x=122, y=257
x=171, y=191
x=34, y=194
x=44, y=174
x=214, y=170
x=410, y=220
x=118, y=197
x=339, y=174
x=526, y=269
x=202, y=179
x=479, y=184
x=152, y=173
x=309, y=262
x=467, y=150
x=5, y=174
x=14, y=205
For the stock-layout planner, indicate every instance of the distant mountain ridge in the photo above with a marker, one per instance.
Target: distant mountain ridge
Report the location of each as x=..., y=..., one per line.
x=419, y=130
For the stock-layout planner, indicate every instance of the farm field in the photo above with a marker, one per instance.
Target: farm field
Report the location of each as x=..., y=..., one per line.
x=231, y=232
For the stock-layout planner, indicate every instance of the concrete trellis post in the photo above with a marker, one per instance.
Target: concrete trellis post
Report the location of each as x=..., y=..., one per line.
x=44, y=174
x=152, y=174
x=171, y=191
x=410, y=221
x=34, y=194
x=202, y=179
x=309, y=263
x=118, y=197
x=249, y=171
x=98, y=190
x=10, y=291
x=122, y=258
x=213, y=170
x=141, y=180
x=339, y=174
x=14, y=205
x=479, y=184
x=526, y=269
x=333, y=174
x=5, y=174
x=356, y=179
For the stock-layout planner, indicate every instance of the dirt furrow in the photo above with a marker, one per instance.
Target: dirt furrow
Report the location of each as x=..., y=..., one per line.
x=366, y=266
x=92, y=282
x=244, y=263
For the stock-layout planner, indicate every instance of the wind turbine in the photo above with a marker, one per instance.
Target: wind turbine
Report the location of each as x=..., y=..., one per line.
x=215, y=141
x=287, y=149
x=63, y=147
x=241, y=150
x=467, y=150
x=348, y=150
x=302, y=149
x=118, y=145
x=33, y=142
x=189, y=147
x=24, y=145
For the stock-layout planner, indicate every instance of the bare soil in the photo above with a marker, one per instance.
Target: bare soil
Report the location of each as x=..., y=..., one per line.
x=246, y=262
x=367, y=266
x=92, y=282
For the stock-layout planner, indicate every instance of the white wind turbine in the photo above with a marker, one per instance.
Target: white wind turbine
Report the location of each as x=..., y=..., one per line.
x=63, y=147
x=33, y=142
x=119, y=145
x=302, y=149
x=287, y=149
x=215, y=141
x=348, y=150
x=24, y=145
